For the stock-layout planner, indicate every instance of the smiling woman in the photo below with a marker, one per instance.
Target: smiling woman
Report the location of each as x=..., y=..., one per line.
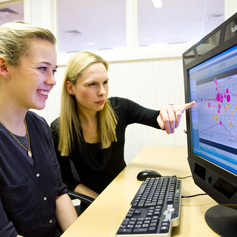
x=28, y=162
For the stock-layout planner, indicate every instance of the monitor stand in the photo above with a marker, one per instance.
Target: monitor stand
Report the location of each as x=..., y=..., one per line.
x=222, y=220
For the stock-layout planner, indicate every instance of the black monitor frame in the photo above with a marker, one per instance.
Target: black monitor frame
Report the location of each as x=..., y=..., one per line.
x=217, y=182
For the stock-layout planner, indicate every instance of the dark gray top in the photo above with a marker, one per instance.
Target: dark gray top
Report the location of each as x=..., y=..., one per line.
x=28, y=192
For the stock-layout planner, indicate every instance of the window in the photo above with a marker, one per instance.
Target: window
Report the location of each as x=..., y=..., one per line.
x=91, y=24
x=101, y=24
x=177, y=21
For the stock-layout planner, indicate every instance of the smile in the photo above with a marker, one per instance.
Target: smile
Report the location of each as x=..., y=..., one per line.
x=43, y=92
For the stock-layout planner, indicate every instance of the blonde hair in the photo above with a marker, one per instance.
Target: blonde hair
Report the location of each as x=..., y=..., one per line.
x=15, y=39
x=70, y=126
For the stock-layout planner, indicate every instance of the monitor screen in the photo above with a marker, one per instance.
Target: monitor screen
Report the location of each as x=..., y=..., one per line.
x=213, y=85
x=210, y=79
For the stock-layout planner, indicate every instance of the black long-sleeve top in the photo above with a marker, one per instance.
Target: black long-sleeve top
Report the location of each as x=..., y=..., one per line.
x=97, y=168
x=28, y=190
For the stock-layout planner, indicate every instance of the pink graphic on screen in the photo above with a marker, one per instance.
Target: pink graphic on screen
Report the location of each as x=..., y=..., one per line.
x=224, y=109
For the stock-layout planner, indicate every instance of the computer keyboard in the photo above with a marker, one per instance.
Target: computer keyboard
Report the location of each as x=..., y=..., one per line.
x=155, y=208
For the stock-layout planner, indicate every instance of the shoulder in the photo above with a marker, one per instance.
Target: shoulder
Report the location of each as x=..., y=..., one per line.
x=55, y=129
x=34, y=118
x=123, y=107
x=37, y=123
x=37, y=126
x=119, y=101
x=55, y=124
x=122, y=103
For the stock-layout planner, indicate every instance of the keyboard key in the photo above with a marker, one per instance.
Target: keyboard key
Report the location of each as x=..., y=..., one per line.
x=124, y=231
x=140, y=230
x=152, y=230
x=164, y=229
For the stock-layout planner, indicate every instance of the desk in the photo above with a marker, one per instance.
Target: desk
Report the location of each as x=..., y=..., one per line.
x=104, y=216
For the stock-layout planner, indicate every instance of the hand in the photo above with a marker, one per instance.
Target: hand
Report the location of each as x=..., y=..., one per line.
x=170, y=116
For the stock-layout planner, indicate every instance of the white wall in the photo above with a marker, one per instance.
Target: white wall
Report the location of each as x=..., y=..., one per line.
x=153, y=77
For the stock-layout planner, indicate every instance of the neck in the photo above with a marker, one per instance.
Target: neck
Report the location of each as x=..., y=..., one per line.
x=89, y=125
x=12, y=113
x=88, y=118
x=13, y=120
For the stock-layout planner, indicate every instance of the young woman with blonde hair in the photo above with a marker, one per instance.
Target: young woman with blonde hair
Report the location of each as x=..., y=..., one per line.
x=33, y=198
x=91, y=129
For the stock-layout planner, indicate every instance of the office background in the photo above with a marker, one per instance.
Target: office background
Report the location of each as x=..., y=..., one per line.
x=151, y=76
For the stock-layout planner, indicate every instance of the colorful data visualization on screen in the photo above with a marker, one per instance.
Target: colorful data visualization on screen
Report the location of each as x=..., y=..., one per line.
x=213, y=85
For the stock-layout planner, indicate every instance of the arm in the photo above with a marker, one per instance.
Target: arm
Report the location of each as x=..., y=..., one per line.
x=72, y=183
x=170, y=116
x=6, y=226
x=65, y=166
x=65, y=211
x=130, y=112
x=81, y=188
x=167, y=118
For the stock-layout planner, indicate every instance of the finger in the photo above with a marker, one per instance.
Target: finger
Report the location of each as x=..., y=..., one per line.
x=179, y=111
x=160, y=122
x=178, y=114
x=187, y=106
x=171, y=119
x=163, y=116
x=167, y=119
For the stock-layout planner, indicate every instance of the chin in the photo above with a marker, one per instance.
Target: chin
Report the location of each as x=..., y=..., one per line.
x=39, y=107
x=100, y=109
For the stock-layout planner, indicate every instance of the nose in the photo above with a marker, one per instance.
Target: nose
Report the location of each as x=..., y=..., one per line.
x=50, y=80
x=102, y=90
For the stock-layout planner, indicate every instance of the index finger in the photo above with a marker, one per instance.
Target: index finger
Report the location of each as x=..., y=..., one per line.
x=187, y=106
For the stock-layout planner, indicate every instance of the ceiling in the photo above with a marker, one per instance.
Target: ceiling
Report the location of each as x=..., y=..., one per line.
x=101, y=24
x=11, y=13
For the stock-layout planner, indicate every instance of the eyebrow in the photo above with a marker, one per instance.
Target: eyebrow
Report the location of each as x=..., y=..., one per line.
x=48, y=63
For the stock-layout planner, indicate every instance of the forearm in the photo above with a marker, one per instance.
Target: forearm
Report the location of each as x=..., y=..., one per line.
x=65, y=211
x=81, y=188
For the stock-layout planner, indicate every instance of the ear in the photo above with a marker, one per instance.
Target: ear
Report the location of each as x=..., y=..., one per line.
x=69, y=88
x=3, y=67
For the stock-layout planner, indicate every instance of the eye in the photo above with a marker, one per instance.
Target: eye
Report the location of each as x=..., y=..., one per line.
x=106, y=82
x=42, y=68
x=92, y=84
x=54, y=71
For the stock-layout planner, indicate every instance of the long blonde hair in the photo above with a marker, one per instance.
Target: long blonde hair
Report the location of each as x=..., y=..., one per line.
x=70, y=126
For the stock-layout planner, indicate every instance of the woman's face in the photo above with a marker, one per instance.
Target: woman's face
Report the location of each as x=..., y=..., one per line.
x=33, y=79
x=91, y=89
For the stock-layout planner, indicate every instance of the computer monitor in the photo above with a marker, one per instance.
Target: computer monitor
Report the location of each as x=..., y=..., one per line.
x=210, y=78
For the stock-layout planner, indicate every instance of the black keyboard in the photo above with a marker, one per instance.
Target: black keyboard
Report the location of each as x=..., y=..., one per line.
x=155, y=208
